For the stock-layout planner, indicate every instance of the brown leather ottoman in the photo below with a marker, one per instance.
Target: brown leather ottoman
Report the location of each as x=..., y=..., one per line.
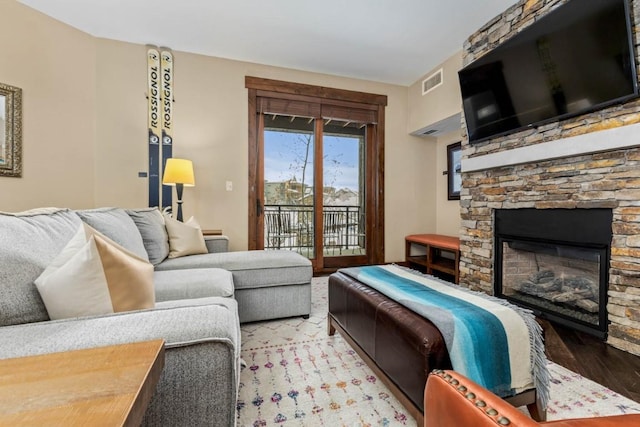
x=400, y=346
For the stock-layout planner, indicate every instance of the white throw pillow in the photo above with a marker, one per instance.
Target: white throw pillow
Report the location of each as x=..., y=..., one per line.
x=93, y=275
x=184, y=238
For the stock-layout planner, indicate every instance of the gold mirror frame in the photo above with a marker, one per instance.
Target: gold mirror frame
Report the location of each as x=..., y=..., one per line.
x=10, y=131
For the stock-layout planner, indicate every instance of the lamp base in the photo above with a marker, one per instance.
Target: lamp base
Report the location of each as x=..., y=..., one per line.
x=179, y=188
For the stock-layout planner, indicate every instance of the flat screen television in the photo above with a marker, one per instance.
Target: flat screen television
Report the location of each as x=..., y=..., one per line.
x=577, y=58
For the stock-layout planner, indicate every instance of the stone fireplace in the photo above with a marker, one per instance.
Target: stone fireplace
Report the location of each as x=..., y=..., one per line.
x=555, y=262
x=589, y=162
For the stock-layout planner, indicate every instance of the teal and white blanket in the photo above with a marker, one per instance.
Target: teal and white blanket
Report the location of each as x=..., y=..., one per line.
x=495, y=343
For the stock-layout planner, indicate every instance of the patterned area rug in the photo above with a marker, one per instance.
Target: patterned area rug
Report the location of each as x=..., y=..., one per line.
x=297, y=375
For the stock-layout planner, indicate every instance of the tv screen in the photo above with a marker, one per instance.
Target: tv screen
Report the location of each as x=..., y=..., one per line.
x=577, y=58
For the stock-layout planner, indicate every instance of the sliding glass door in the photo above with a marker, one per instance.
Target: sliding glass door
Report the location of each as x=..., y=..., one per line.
x=315, y=177
x=290, y=187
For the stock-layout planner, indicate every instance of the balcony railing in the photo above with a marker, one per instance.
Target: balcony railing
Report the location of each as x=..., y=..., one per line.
x=291, y=227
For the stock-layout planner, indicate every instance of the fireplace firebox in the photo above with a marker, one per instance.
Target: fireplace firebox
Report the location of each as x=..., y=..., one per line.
x=556, y=263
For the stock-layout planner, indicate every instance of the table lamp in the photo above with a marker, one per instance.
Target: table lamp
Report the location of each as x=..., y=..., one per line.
x=178, y=172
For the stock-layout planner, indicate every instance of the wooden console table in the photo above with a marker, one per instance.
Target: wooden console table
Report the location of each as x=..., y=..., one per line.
x=107, y=386
x=431, y=253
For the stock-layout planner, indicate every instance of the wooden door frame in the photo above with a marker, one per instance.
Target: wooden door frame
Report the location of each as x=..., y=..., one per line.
x=318, y=171
x=259, y=87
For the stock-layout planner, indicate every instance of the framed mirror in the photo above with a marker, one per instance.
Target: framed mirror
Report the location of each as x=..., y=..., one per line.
x=10, y=131
x=454, y=176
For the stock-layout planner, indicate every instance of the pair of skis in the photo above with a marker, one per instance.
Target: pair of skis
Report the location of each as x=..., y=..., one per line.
x=160, y=121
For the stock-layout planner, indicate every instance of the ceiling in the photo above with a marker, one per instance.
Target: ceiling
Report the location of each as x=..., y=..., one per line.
x=391, y=41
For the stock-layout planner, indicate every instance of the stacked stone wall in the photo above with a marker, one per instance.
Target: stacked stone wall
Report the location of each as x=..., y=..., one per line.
x=601, y=180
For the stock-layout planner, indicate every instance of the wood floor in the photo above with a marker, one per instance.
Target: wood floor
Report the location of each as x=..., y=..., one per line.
x=593, y=359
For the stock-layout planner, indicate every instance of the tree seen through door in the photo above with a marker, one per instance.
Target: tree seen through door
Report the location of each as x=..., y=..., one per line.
x=290, y=188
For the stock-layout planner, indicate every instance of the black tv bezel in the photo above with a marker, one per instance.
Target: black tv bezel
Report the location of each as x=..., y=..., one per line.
x=560, y=117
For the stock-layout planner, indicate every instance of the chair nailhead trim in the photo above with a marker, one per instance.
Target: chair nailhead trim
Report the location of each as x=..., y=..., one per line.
x=504, y=421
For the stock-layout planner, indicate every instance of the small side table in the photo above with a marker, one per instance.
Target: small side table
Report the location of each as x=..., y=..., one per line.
x=212, y=232
x=98, y=386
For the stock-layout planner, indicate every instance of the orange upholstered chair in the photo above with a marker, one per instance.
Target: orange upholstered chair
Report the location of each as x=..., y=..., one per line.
x=453, y=400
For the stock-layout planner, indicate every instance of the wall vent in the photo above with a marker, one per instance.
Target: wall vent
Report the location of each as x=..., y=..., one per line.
x=446, y=125
x=432, y=82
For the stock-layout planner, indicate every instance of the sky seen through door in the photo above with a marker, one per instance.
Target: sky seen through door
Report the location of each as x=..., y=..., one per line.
x=284, y=154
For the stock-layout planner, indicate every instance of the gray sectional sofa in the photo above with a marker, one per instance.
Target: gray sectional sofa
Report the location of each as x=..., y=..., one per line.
x=200, y=301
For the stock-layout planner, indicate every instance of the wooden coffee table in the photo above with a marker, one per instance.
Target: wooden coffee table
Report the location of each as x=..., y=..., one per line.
x=107, y=386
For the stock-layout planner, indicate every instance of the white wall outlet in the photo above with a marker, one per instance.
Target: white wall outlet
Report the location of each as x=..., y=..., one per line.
x=229, y=186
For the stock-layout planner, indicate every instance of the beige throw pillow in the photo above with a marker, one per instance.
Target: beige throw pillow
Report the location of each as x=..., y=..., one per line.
x=184, y=238
x=94, y=275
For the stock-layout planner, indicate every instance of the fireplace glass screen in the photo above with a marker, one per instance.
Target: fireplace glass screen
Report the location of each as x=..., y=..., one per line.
x=558, y=279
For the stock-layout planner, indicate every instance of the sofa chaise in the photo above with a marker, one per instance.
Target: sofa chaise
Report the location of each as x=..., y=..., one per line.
x=195, y=310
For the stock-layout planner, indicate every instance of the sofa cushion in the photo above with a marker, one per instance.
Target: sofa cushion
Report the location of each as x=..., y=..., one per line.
x=251, y=269
x=180, y=323
x=216, y=243
x=116, y=225
x=30, y=241
x=184, y=238
x=193, y=283
x=150, y=223
x=94, y=275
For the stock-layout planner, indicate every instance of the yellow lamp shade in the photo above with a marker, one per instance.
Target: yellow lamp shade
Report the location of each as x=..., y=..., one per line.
x=178, y=171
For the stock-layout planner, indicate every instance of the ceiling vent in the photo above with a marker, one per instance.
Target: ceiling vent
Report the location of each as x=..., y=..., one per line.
x=432, y=82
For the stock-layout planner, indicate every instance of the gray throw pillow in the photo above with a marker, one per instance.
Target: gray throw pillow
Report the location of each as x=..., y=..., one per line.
x=29, y=241
x=118, y=226
x=150, y=223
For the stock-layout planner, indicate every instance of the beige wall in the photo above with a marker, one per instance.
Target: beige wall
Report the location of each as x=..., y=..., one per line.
x=121, y=127
x=211, y=129
x=440, y=103
x=85, y=108
x=54, y=65
x=417, y=217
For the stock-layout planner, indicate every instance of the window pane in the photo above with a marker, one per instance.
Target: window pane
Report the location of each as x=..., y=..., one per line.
x=344, y=185
x=288, y=184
